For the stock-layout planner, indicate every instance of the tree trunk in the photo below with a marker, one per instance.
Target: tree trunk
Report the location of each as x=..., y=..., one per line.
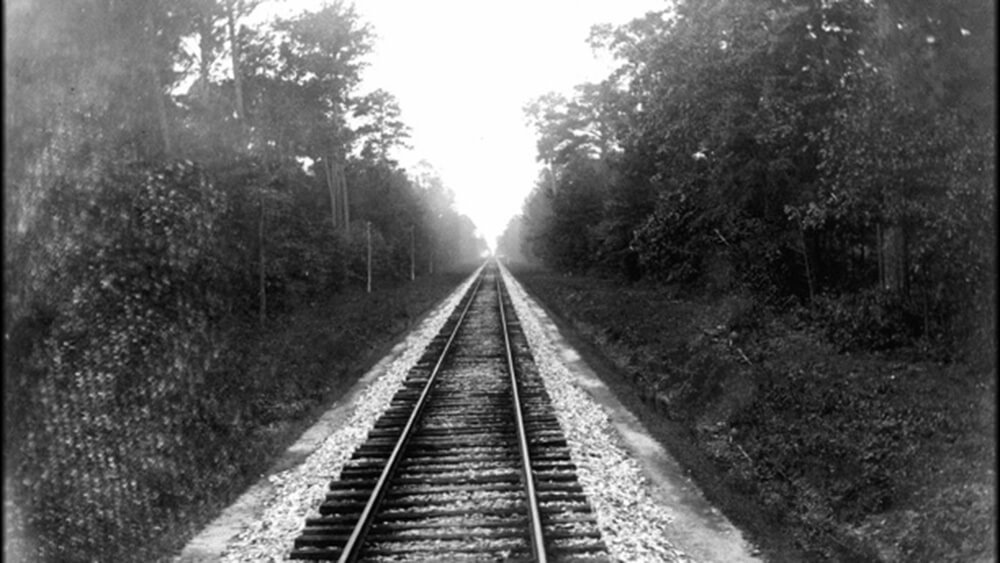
x=368, y=238
x=805, y=257
x=927, y=315
x=205, y=48
x=156, y=84
x=893, y=248
x=261, y=264
x=880, y=255
x=346, y=204
x=337, y=184
x=234, y=48
x=344, y=217
x=903, y=264
x=331, y=183
x=161, y=113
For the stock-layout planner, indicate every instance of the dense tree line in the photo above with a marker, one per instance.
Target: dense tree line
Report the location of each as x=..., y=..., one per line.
x=169, y=169
x=837, y=153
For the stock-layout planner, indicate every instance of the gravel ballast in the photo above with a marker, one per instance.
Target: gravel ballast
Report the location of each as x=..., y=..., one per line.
x=634, y=526
x=635, y=523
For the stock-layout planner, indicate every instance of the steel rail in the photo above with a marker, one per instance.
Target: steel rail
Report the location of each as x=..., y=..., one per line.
x=352, y=549
x=537, y=538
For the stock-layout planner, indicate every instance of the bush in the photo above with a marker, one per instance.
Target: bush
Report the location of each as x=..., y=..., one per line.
x=127, y=343
x=868, y=320
x=673, y=243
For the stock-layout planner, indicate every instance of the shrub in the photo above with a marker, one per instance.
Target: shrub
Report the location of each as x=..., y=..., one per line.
x=128, y=342
x=868, y=320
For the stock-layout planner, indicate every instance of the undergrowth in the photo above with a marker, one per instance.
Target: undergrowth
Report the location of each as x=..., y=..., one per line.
x=864, y=455
x=261, y=389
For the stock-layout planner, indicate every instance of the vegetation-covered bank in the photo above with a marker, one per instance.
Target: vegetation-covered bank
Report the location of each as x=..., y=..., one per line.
x=859, y=456
x=265, y=388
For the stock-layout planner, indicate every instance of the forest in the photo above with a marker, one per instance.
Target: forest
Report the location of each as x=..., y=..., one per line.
x=174, y=169
x=835, y=155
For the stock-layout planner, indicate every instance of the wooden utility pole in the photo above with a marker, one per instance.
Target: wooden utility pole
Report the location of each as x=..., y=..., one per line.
x=413, y=255
x=368, y=233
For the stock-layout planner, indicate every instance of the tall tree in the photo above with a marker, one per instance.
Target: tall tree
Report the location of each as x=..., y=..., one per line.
x=382, y=129
x=323, y=53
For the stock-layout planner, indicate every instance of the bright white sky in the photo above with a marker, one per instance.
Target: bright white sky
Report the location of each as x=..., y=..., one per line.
x=462, y=71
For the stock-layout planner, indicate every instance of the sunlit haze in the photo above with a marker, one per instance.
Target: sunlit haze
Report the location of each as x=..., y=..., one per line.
x=463, y=71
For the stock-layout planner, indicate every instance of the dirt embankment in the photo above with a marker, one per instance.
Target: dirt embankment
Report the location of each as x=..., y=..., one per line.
x=818, y=455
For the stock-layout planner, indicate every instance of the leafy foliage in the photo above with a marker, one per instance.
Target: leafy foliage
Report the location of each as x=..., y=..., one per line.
x=130, y=334
x=869, y=320
x=834, y=159
x=856, y=456
x=798, y=149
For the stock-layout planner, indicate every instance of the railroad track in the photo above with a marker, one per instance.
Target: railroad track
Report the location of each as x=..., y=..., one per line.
x=468, y=463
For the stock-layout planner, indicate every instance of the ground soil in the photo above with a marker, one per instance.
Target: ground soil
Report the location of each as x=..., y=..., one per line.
x=816, y=454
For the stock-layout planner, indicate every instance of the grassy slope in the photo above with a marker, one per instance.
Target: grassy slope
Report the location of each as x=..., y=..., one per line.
x=285, y=377
x=855, y=457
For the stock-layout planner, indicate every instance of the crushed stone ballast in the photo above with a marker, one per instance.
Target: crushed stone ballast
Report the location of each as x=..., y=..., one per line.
x=590, y=465
x=468, y=462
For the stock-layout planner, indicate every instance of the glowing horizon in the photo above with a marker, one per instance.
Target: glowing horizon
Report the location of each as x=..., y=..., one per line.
x=462, y=73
